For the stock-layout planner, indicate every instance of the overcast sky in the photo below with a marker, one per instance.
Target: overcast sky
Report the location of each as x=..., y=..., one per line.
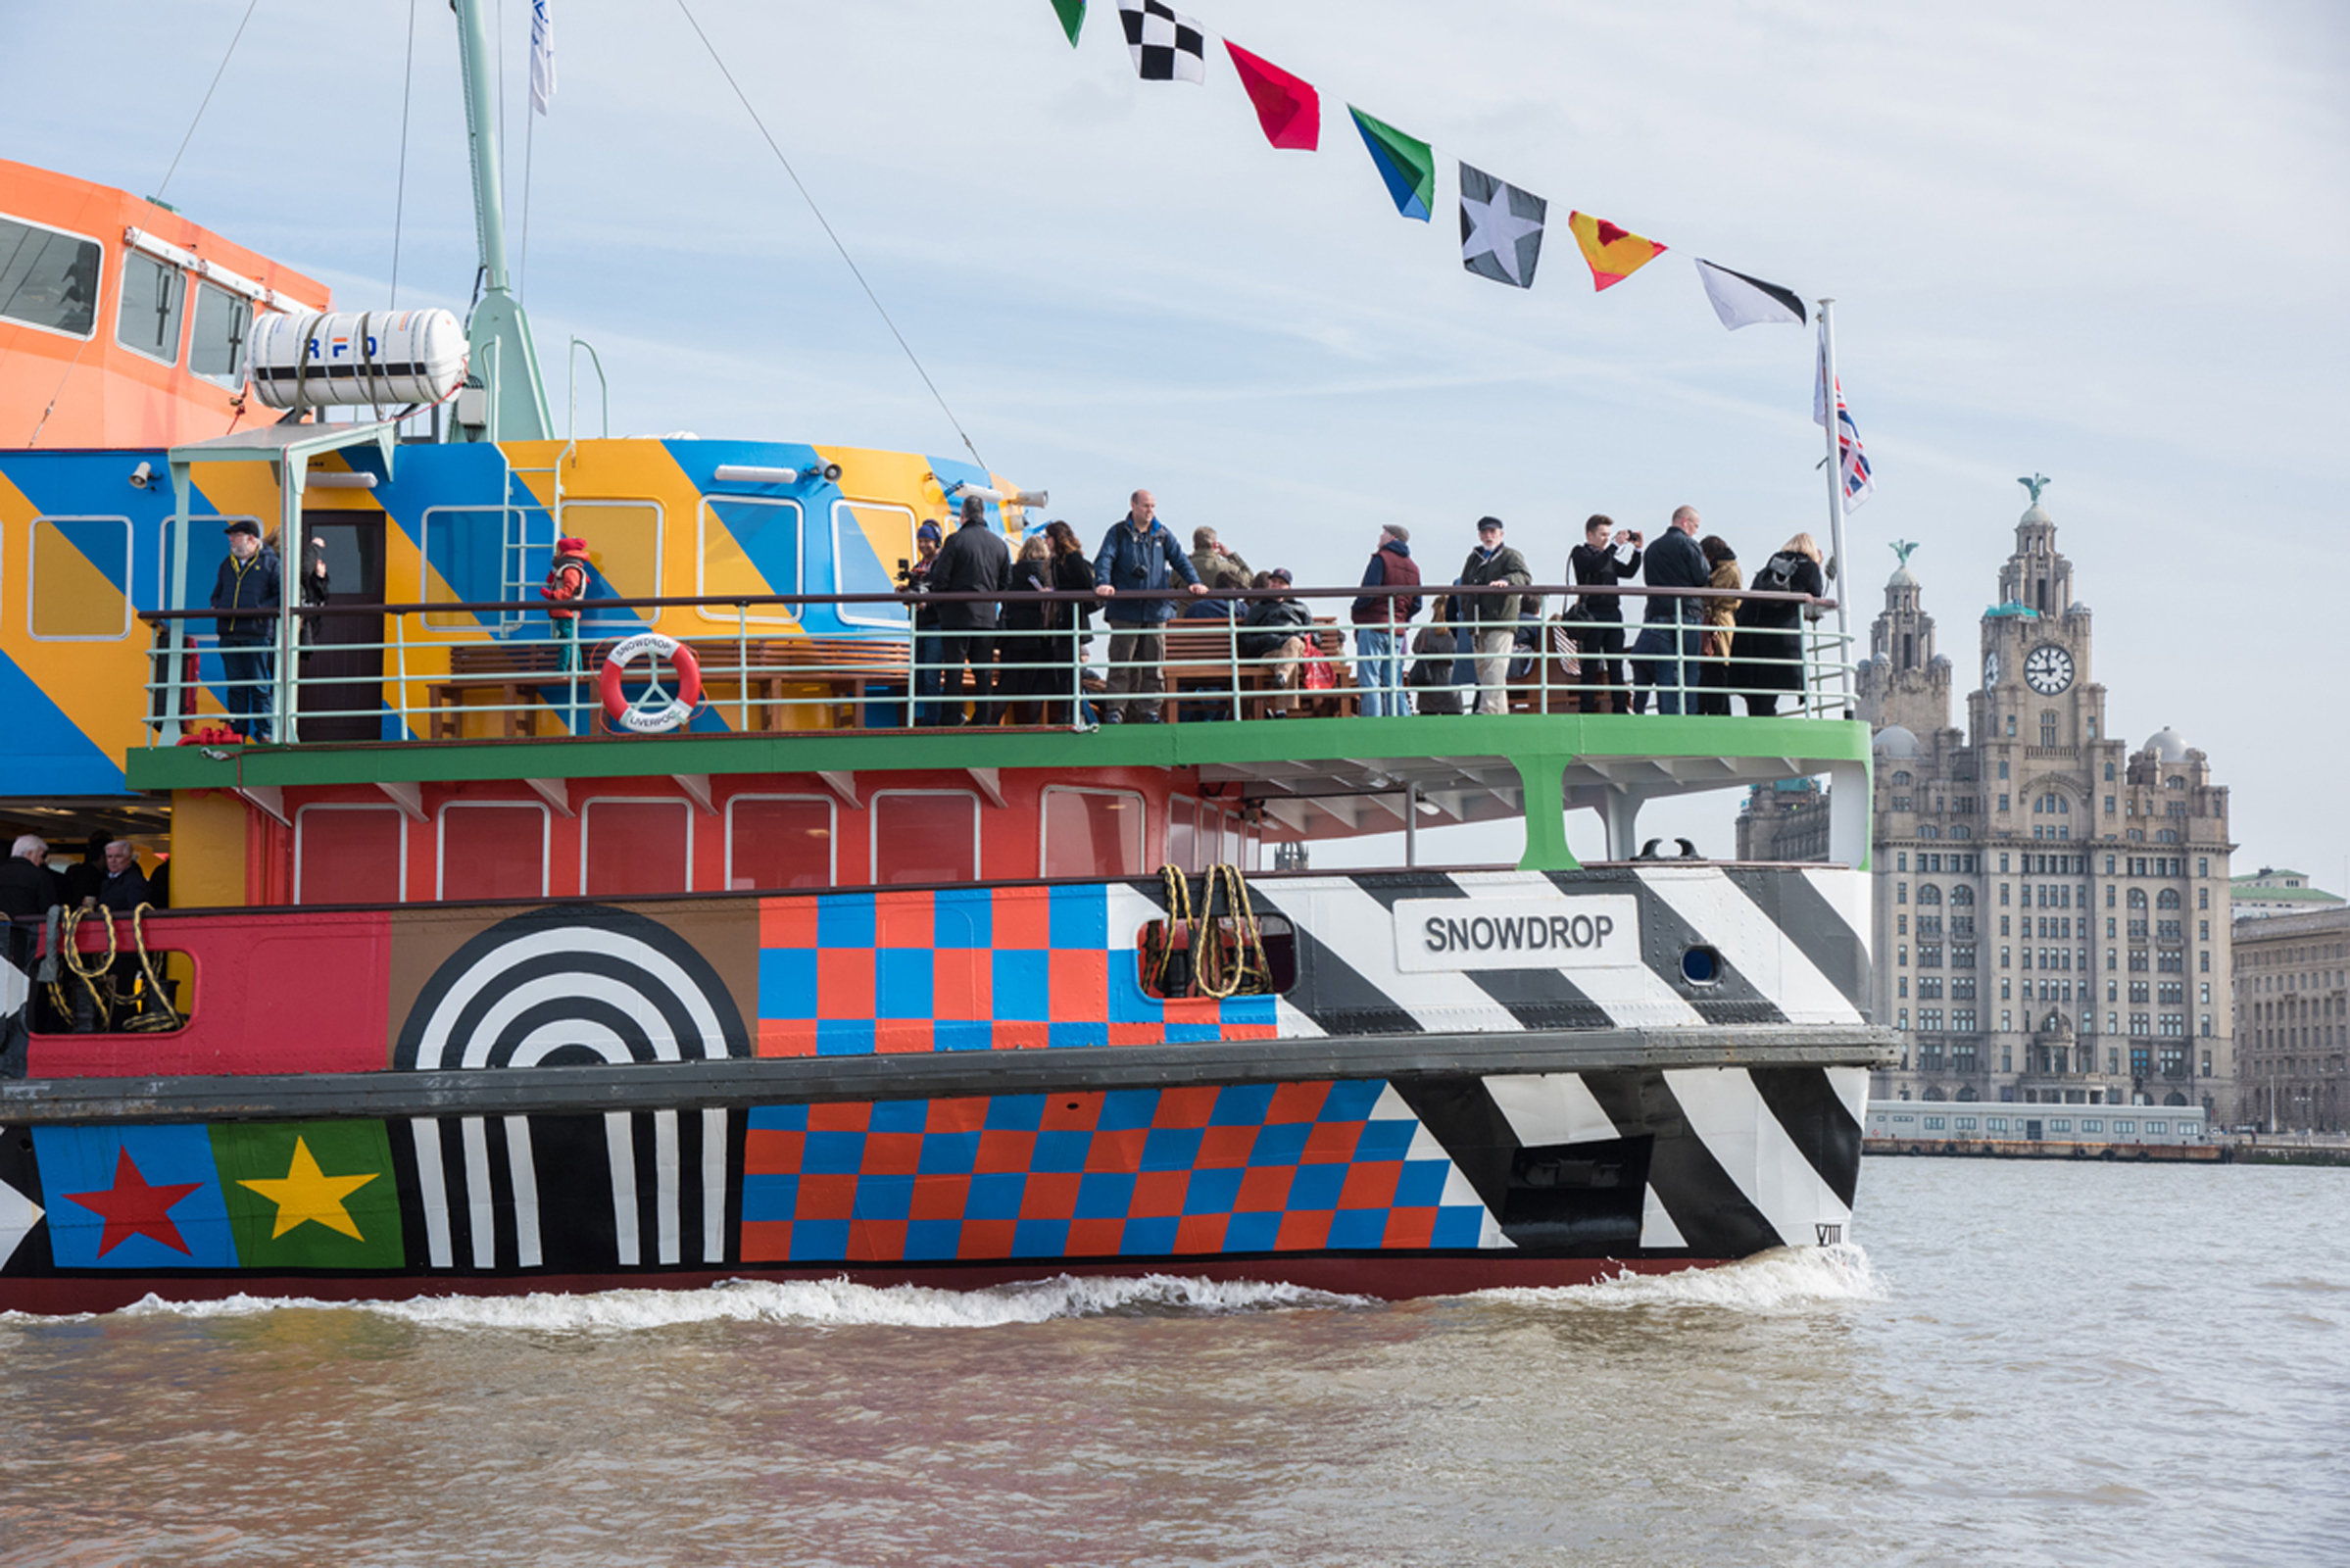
x=2099, y=241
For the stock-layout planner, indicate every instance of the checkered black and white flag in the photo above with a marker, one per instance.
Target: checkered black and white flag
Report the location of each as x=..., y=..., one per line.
x=1167, y=45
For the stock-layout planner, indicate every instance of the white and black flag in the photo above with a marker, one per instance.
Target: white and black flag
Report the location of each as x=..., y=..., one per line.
x=1500, y=228
x=1167, y=45
x=1741, y=301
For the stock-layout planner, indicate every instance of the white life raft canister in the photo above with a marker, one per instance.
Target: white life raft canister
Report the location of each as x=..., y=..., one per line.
x=390, y=358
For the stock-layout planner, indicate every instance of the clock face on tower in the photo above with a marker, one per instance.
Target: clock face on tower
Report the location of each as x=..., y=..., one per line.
x=1990, y=667
x=2049, y=669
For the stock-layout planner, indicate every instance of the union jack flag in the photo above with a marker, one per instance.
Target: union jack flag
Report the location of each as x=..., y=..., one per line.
x=1852, y=460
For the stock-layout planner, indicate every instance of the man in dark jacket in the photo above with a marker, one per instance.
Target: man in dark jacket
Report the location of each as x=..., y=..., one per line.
x=1139, y=555
x=27, y=887
x=1381, y=624
x=125, y=886
x=1607, y=556
x=927, y=676
x=248, y=580
x=81, y=882
x=1669, y=638
x=976, y=561
x=1495, y=616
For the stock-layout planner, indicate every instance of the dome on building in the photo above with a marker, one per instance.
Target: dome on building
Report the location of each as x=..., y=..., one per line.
x=1903, y=577
x=2167, y=744
x=1895, y=741
x=1939, y=662
x=2036, y=513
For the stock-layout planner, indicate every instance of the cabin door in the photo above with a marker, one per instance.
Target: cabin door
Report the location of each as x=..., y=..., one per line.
x=341, y=695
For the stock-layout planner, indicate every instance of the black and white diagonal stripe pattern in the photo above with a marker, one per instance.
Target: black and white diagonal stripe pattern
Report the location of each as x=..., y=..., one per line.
x=1791, y=944
x=1167, y=45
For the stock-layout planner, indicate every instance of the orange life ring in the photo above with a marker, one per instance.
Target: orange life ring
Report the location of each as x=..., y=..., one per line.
x=644, y=717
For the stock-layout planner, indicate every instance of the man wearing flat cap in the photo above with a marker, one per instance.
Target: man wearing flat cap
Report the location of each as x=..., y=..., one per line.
x=248, y=580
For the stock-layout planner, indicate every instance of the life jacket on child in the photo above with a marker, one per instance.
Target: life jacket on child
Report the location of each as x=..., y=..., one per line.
x=566, y=579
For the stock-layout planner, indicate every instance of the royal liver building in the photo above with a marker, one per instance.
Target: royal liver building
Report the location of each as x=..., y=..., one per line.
x=2051, y=908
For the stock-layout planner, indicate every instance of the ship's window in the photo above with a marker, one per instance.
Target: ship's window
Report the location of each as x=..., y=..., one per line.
x=216, y=342
x=624, y=540
x=635, y=847
x=751, y=546
x=48, y=280
x=350, y=855
x=1091, y=833
x=77, y=586
x=781, y=841
x=1166, y=972
x=868, y=540
x=925, y=836
x=1182, y=849
x=147, y=321
x=492, y=850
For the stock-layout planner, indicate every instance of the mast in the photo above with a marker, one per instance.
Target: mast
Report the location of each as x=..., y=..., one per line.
x=499, y=333
x=1835, y=499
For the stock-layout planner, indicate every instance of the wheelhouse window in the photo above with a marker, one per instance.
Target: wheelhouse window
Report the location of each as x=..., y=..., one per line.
x=216, y=341
x=752, y=546
x=147, y=321
x=1091, y=833
x=624, y=547
x=925, y=836
x=78, y=582
x=635, y=847
x=465, y=555
x=350, y=855
x=781, y=841
x=493, y=849
x=48, y=280
x=868, y=540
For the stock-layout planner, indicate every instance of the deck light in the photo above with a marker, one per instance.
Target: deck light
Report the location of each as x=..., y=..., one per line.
x=342, y=482
x=750, y=473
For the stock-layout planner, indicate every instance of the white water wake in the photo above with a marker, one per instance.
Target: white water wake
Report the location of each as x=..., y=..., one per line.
x=832, y=1304
x=1787, y=1279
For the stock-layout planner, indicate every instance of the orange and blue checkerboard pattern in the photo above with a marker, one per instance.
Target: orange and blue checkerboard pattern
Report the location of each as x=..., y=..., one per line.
x=967, y=969
x=1132, y=1173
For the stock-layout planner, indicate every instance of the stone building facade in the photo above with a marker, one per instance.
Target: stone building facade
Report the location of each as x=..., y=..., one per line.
x=2051, y=913
x=2292, y=1020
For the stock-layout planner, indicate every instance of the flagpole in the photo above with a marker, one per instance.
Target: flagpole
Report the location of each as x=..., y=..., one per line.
x=1835, y=506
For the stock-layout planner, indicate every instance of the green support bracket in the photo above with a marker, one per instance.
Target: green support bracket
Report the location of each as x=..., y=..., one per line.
x=1541, y=777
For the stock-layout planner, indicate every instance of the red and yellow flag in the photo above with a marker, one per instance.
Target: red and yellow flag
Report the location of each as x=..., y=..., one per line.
x=1614, y=254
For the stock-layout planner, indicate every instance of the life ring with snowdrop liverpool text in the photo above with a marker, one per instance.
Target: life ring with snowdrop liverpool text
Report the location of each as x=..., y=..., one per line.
x=656, y=709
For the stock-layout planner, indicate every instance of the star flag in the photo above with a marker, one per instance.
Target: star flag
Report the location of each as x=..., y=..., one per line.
x=132, y=1197
x=1614, y=254
x=1167, y=45
x=1406, y=162
x=1286, y=106
x=1852, y=461
x=1500, y=228
x=1072, y=17
x=309, y=1194
x=1741, y=301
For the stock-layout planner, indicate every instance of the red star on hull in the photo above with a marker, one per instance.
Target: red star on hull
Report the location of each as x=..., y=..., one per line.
x=133, y=1209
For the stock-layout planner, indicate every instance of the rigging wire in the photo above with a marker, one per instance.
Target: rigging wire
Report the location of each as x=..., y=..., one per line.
x=853, y=271
x=200, y=107
x=400, y=189
x=530, y=122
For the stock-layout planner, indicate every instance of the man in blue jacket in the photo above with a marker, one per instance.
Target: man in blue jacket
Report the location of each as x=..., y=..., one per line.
x=248, y=580
x=1139, y=556
x=1669, y=637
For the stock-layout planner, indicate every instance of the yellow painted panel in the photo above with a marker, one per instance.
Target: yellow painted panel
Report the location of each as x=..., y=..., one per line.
x=208, y=849
x=71, y=596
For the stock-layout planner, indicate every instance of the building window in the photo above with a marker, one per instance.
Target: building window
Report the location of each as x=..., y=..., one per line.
x=2011, y=730
x=2048, y=729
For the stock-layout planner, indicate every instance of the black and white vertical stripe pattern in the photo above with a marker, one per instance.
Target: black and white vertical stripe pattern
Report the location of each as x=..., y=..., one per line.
x=1791, y=942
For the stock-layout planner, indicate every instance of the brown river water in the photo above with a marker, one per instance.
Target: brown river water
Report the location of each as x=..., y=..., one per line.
x=2016, y=1364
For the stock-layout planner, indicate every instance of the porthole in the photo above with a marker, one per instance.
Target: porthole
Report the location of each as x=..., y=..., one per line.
x=1701, y=965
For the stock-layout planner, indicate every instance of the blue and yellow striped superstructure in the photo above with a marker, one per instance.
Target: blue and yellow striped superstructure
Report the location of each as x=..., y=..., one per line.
x=87, y=544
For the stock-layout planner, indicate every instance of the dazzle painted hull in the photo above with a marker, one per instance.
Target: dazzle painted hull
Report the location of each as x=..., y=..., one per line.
x=955, y=1087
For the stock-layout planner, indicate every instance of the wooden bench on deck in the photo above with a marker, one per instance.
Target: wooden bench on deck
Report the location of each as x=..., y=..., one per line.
x=1201, y=664
x=517, y=671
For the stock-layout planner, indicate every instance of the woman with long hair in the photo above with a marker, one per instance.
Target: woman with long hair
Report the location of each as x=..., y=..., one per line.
x=1025, y=649
x=1770, y=643
x=1072, y=573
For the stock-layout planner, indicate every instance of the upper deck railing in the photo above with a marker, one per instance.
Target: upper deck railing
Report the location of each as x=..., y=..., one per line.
x=1052, y=660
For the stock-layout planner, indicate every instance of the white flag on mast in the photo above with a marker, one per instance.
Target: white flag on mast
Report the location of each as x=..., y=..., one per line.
x=542, y=55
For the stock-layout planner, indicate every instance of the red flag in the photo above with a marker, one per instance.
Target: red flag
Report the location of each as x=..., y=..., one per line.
x=1289, y=108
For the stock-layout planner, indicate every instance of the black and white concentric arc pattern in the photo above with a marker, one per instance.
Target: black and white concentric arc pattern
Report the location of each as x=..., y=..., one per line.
x=559, y=986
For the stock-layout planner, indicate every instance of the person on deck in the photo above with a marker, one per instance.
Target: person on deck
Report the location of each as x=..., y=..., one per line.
x=1607, y=556
x=1769, y=653
x=1217, y=567
x=1383, y=623
x=125, y=887
x=1139, y=555
x=248, y=580
x=976, y=561
x=1494, y=618
x=1719, y=616
x=1432, y=688
x=1025, y=649
x=927, y=539
x=83, y=881
x=1278, y=634
x=1668, y=637
x=1072, y=573
x=27, y=887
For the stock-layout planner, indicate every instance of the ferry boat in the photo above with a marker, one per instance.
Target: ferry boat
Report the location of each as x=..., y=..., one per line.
x=697, y=942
